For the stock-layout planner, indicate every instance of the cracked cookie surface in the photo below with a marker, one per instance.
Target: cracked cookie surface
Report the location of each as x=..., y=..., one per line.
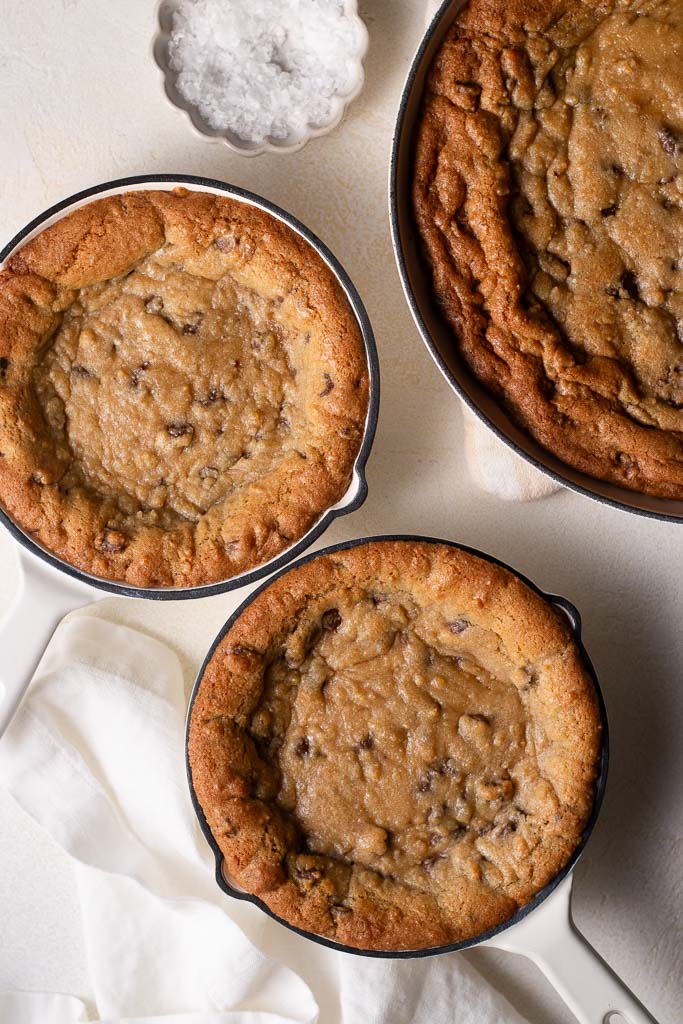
x=183, y=391
x=548, y=191
x=396, y=745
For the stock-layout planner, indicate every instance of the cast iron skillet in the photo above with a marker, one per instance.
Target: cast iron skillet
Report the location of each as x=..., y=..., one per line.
x=543, y=930
x=438, y=336
x=44, y=595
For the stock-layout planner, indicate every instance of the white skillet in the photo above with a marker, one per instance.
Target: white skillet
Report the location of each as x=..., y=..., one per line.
x=544, y=930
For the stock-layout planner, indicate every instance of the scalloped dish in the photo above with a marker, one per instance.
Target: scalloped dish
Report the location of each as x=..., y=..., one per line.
x=278, y=78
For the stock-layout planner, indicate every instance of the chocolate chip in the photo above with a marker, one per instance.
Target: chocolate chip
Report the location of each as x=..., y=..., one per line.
x=226, y=243
x=313, y=874
x=329, y=384
x=154, y=304
x=4, y=363
x=367, y=743
x=179, y=429
x=626, y=463
x=331, y=619
x=531, y=676
x=669, y=141
x=210, y=398
x=629, y=284
x=137, y=374
x=192, y=328
x=113, y=540
x=303, y=747
x=609, y=211
x=458, y=626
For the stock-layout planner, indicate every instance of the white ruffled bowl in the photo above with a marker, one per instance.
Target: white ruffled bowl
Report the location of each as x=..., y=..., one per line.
x=288, y=144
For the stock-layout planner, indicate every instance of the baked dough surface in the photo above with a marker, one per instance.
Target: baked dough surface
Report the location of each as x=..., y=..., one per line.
x=549, y=197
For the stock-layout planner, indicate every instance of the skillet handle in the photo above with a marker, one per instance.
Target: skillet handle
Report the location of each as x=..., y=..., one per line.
x=589, y=987
x=43, y=598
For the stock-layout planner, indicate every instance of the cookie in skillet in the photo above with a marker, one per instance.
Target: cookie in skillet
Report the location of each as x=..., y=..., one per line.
x=548, y=193
x=183, y=388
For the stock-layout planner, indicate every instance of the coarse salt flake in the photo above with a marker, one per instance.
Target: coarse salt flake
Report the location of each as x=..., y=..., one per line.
x=265, y=68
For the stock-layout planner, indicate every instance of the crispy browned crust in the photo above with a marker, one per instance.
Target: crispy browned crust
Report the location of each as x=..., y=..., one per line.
x=263, y=848
x=108, y=238
x=580, y=409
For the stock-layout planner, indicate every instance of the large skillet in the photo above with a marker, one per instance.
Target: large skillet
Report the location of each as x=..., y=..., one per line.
x=544, y=929
x=438, y=336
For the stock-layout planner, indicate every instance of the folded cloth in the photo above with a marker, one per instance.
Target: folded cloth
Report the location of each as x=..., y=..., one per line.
x=96, y=756
x=491, y=464
x=497, y=469
x=444, y=989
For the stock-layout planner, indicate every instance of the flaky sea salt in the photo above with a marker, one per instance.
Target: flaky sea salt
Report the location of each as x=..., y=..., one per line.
x=264, y=68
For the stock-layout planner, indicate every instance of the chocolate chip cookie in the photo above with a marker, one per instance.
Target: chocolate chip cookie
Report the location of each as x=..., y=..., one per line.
x=183, y=388
x=396, y=745
x=548, y=193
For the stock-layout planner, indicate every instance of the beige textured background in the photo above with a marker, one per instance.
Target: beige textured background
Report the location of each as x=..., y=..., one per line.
x=81, y=102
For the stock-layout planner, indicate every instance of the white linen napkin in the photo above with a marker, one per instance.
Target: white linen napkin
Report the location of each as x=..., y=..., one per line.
x=497, y=469
x=493, y=466
x=96, y=756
